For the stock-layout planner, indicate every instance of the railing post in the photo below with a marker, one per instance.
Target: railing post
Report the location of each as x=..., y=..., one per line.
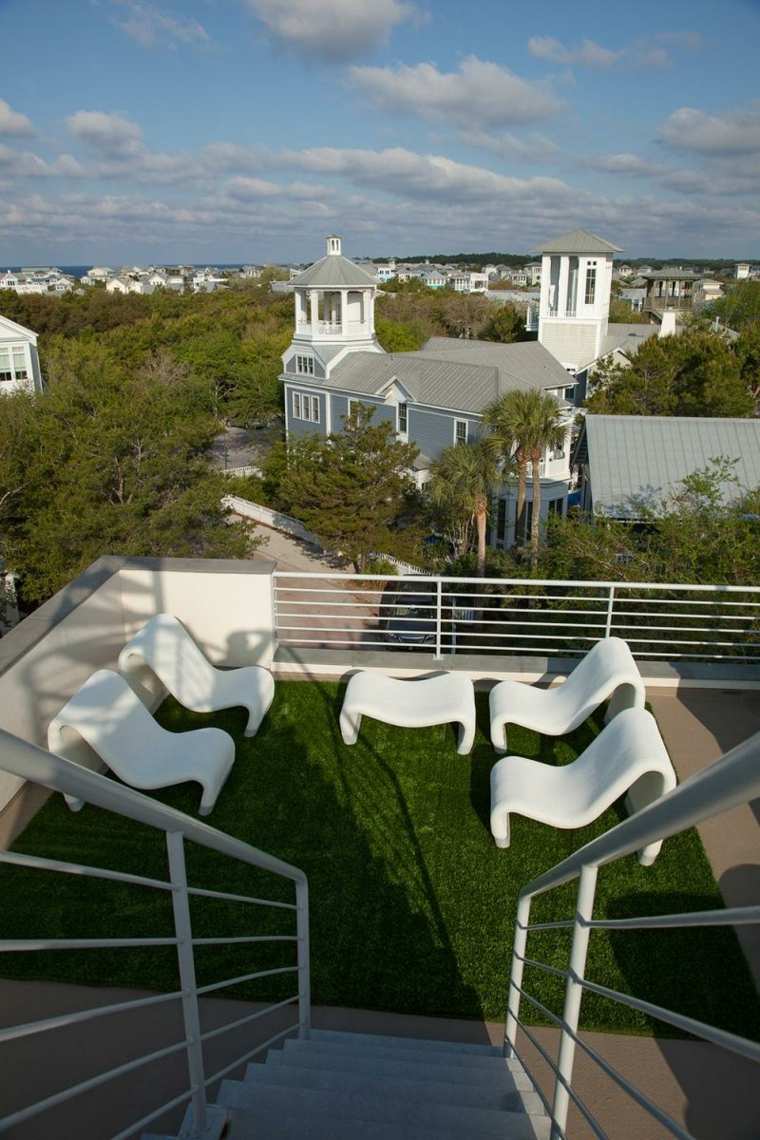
x=573, y=995
x=610, y=604
x=438, y=599
x=516, y=974
x=191, y=1015
x=304, y=965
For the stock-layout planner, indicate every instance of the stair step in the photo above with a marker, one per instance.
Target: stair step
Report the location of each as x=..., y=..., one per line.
x=279, y=1125
x=382, y=1041
x=499, y=1077
x=300, y=1105
x=485, y=1063
x=400, y=1089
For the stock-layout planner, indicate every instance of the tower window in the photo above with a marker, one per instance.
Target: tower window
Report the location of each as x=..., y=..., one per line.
x=590, y=282
x=305, y=365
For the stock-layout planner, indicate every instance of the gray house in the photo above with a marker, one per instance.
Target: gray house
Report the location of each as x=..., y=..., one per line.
x=435, y=397
x=628, y=463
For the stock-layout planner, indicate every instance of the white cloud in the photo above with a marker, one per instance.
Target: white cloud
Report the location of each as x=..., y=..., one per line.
x=586, y=54
x=149, y=26
x=332, y=30
x=111, y=135
x=624, y=163
x=730, y=133
x=480, y=93
x=13, y=122
x=530, y=148
x=25, y=164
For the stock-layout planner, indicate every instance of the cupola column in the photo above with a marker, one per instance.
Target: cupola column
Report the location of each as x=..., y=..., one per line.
x=314, y=309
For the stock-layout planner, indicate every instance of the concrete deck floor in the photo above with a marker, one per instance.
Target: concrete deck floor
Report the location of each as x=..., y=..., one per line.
x=713, y=1094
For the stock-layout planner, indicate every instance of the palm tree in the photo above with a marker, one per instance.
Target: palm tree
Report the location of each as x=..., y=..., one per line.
x=527, y=423
x=463, y=480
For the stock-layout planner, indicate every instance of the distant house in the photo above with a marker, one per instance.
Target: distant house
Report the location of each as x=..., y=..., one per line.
x=98, y=275
x=742, y=270
x=629, y=463
x=706, y=290
x=669, y=290
x=533, y=273
x=19, y=359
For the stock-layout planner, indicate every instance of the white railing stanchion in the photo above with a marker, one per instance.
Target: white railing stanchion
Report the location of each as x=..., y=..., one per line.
x=175, y=844
x=438, y=600
x=573, y=996
x=304, y=965
x=610, y=607
x=516, y=974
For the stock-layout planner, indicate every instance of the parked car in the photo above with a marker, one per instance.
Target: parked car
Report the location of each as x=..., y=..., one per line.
x=409, y=611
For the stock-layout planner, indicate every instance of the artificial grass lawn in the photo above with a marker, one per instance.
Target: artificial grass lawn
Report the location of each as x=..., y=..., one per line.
x=412, y=905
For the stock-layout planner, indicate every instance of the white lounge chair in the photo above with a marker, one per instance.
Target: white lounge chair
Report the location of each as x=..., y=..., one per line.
x=410, y=704
x=607, y=672
x=109, y=716
x=166, y=648
x=628, y=755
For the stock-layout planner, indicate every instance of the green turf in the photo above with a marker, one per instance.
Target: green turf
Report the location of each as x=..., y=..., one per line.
x=412, y=906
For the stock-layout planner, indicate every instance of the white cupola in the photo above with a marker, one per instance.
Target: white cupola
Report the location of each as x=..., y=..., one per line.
x=576, y=282
x=335, y=302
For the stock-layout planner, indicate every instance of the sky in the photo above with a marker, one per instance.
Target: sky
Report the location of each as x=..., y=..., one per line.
x=246, y=130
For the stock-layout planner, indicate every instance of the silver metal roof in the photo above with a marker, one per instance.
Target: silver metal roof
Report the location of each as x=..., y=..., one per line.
x=578, y=241
x=645, y=458
x=459, y=375
x=627, y=337
x=334, y=272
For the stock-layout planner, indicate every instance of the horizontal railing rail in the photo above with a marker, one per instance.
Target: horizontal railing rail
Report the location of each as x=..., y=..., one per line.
x=517, y=616
x=29, y=762
x=731, y=781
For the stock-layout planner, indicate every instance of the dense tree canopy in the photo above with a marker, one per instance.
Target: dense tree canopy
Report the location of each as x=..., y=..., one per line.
x=697, y=373
x=351, y=487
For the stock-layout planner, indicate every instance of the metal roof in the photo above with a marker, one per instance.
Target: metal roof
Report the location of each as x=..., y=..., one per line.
x=627, y=337
x=578, y=241
x=636, y=460
x=334, y=272
x=671, y=275
x=458, y=375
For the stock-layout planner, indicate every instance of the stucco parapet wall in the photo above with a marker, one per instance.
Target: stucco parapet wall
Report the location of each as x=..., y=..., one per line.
x=309, y=661
x=31, y=630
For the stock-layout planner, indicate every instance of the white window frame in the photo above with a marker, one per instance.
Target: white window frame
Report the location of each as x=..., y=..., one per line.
x=13, y=373
x=305, y=407
x=304, y=364
x=457, y=440
x=590, y=278
x=405, y=429
x=296, y=405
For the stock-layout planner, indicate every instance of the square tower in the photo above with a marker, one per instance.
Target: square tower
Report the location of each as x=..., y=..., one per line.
x=576, y=280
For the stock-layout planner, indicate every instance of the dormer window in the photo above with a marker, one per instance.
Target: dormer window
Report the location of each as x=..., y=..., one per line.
x=305, y=365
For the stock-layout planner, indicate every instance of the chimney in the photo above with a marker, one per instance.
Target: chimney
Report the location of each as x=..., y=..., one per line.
x=668, y=323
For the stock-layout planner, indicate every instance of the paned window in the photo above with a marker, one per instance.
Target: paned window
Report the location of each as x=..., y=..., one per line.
x=403, y=419
x=460, y=431
x=590, y=282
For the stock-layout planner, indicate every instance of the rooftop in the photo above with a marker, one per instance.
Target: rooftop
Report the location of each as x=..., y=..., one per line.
x=637, y=460
x=334, y=271
x=579, y=241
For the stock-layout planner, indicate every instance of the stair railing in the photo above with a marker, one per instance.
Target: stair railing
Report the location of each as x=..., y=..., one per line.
x=729, y=782
x=32, y=763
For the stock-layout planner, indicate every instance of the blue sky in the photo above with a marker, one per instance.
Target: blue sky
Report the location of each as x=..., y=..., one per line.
x=244, y=130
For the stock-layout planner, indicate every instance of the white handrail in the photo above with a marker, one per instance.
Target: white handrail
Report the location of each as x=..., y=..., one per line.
x=29, y=762
x=732, y=780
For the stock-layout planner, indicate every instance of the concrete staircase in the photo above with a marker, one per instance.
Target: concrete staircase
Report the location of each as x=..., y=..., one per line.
x=345, y=1086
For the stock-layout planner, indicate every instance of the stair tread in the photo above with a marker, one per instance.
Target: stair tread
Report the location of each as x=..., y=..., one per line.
x=395, y=1065
x=287, y=1101
x=381, y=1040
x=276, y=1125
x=400, y=1087
x=485, y=1062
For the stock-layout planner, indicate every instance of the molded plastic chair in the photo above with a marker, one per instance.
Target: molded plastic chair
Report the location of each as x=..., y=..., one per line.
x=109, y=716
x=166, y=648
x=410, y=704
x=607, y=672
x=628, y=755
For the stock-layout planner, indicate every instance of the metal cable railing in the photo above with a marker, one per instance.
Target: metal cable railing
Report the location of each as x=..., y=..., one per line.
x=29, y=762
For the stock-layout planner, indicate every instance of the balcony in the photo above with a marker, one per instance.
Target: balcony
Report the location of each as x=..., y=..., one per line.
x=656, y=304
x=410, y=900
